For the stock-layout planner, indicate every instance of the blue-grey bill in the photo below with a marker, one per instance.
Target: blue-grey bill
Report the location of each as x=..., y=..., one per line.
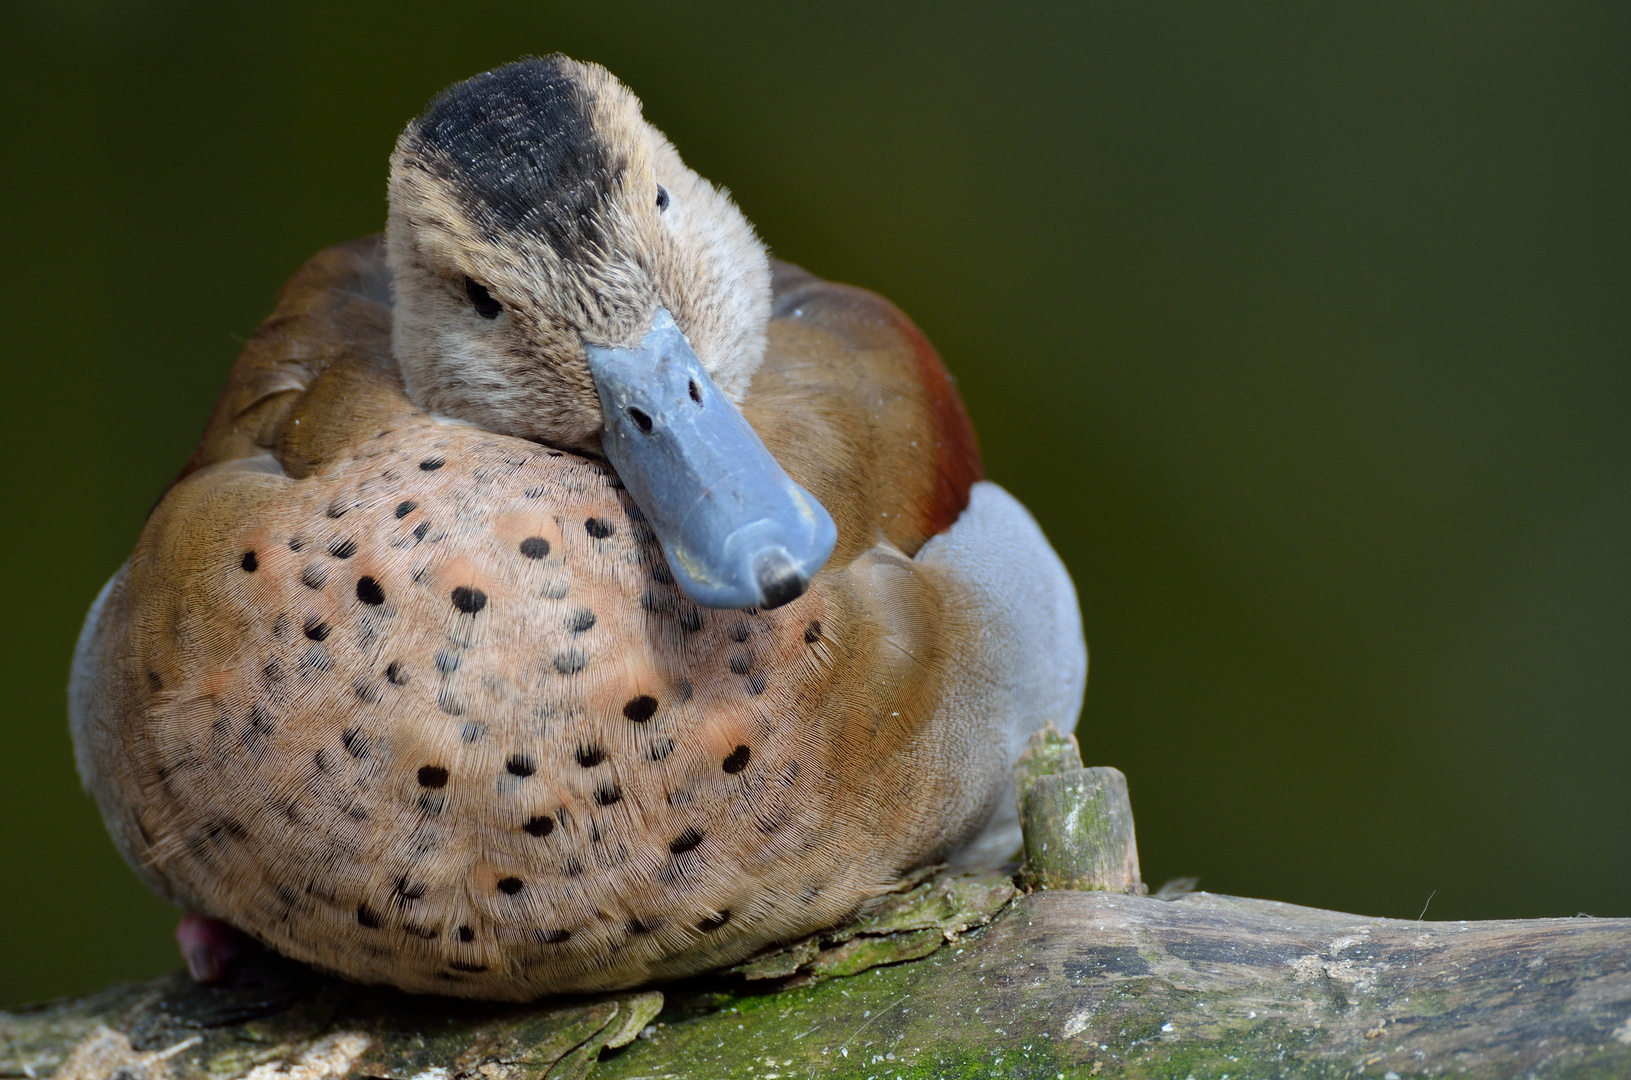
x=736, y=529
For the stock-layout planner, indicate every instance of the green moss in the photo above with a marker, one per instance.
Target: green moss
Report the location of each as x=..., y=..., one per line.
x=1013, y=999
x=1049, y=752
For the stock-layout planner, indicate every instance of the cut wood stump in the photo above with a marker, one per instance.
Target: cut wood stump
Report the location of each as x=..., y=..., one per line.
x=1078, y=822
x=951, y=977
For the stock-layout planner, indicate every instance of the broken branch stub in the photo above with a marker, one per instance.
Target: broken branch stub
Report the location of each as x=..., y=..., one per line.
x=1078, y=821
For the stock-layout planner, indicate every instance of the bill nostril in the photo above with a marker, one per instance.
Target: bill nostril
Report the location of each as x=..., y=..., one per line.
x=641, y=418
x=696, y=394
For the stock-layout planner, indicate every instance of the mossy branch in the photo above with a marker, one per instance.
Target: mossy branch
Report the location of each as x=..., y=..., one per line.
x=953, y=977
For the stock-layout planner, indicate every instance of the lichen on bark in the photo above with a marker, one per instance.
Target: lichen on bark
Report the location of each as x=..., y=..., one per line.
x=1079, y=983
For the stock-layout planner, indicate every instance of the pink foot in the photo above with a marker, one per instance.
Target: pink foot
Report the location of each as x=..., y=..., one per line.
x=210, y=946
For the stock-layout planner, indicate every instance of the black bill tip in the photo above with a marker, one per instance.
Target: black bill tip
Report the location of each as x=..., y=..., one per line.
x=779, y=578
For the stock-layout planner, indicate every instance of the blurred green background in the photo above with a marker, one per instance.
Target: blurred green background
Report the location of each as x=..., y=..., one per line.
x=1303, y=330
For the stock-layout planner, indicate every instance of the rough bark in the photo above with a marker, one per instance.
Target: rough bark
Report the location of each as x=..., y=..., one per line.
x=1072, y=983
x=950, y=977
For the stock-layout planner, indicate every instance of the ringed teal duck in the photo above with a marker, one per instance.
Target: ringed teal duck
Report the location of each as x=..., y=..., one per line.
x=427, y=671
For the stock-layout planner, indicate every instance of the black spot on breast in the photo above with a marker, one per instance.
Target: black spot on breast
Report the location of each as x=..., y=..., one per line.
x=590, y=756
x=690, y=620
x=519, y=765
x=640, y=709
x=449, y=702
x=396, y=673
x=320, y=759
x=447, y=661
x=337, y=508
x=812, y=633
x=685, y=841
x=434, y=776
x=356, y=743
x=369, y=592
x=555, y=937
x=709, y=925
x=572, y=867
x=249, y=562
x=155, y=683
x=539, y=825
x=635, y=926
x=738, y=633
x=404, y=508
x=737, y=761
x=229, y=828
x=313, y=662
x=314, y=576
x=465, y=934
x=757, y=683
x=367, y=691
x=535, y=547
x=420, y=530
x=661, y=574
x=367, y=918
x=421, y=931
x=660, y=749
x=343, y=549
x=580, y=620
x=608, y=794
x=741, y=665
x=571, y=661
x=406, y=892
x=260, y=722
x=459, y=965
x=297, y=543
x=431, y=464
x=469, y=599
x=509, y=886
x=316, y=629
x=599, y=528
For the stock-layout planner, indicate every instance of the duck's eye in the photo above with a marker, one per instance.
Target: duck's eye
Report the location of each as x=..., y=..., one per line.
x=481, y=299
x=662, y=198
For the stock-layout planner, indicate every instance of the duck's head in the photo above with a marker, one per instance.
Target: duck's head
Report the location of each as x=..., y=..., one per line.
x=561, y=275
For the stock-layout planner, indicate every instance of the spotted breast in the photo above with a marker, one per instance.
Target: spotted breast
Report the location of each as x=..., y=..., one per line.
x=422, y=704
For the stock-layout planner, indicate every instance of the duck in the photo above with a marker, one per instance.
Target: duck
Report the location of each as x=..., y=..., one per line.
x=565, y=595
